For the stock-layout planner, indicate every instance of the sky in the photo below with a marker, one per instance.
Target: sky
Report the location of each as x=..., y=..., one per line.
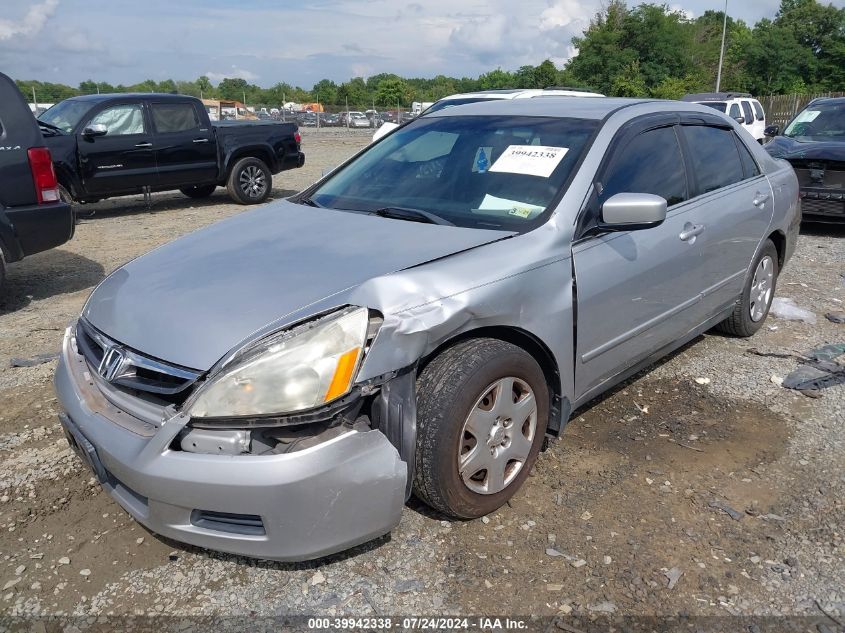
x=298, y=42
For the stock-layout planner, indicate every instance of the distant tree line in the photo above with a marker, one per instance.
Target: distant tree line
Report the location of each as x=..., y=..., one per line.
x=648, y=50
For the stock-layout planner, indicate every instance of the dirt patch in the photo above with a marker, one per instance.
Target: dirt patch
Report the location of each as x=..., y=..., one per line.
x=624, y=498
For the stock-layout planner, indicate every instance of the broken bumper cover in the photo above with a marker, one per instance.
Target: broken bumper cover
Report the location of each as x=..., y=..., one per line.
x=289, y=507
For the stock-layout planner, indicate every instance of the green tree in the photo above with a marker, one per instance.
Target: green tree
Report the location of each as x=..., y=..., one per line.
x=354, y=92
x=325, y=91
x=392, y=91
x=232, y=89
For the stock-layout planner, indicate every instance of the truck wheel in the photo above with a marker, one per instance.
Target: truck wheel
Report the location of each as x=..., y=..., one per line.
x=201, y=191
x=753, y=306
x=482, y=413
x=250, y=181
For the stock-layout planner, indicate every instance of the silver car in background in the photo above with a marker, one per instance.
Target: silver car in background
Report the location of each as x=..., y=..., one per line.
x=419, y=321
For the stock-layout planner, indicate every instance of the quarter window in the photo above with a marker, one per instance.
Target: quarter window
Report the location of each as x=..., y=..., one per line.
x=651, y=163
x=749, y=165
x=758, y=110
x=714, y=157
x=734, y=113
x=120, y=120
x=174, y=117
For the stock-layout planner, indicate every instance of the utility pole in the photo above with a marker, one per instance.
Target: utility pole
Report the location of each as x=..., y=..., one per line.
x=347, y=113
x=722, y=49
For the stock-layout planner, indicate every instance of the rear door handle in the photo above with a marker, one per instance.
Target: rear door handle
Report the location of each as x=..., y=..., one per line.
x=760, y=199
x=143, y=145
x=690, y=231
x=200, y=140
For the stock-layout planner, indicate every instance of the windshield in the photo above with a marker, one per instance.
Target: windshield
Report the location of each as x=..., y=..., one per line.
x=450, y=103
x=490, y=172
x=721, y=106
x=66, y=115
x=819, y=122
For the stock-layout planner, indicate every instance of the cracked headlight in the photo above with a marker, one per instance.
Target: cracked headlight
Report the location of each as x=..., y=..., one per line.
x=290, y=371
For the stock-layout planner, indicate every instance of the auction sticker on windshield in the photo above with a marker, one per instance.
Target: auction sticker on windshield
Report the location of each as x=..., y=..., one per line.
x=532, y=160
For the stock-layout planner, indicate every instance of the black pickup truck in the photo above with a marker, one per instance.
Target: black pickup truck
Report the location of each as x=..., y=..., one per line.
x=32, y=217
x=122, y=144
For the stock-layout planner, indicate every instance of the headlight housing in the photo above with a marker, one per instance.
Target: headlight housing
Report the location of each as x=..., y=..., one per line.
x=289, y=372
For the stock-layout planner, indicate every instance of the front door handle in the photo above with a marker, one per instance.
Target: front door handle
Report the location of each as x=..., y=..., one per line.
x=760, y=199
x=143, y=145
x=200, y=140
x=690, y=231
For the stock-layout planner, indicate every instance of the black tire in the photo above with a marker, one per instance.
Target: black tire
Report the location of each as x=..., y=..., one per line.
x=2, y=272
x=200, y=191
x=64, y=195
x=451, y=386
x=740, y=322
x=244, y=172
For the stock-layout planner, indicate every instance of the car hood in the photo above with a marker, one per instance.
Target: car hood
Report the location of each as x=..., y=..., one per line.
x=193, y=300
x=791, y=149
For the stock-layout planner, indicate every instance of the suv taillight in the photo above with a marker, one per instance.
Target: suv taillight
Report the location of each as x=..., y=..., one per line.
x=43, y=174
x=297, y=137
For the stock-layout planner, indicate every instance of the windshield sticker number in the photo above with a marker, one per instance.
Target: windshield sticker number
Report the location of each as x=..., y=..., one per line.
x=481, y=162
x=532, y=160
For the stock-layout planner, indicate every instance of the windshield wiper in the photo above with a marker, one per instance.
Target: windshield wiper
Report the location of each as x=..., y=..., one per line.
x=309, y=202
x=411, y=215
x=50, y=126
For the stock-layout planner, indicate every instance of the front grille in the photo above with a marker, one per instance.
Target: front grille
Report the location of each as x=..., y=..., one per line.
x=131, y=370
x=828, y=208
x=248, y=524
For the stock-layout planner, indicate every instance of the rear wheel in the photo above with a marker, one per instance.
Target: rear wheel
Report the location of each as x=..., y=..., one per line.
x=482, y=413
x=753, y=306
x=201, y=191
x=249, y=181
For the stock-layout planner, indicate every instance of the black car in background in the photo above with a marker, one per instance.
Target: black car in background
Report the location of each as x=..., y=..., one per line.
x=122, y=144
x=814, y=143
x=32, y=217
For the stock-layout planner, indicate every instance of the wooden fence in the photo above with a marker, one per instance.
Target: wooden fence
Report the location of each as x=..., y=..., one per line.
x=781, y=108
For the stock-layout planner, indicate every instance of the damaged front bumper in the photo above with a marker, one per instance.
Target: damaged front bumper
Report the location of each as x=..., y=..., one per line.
x=294, y=506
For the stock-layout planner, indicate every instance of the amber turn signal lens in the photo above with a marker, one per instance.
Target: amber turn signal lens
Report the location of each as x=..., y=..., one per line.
x=343, y=374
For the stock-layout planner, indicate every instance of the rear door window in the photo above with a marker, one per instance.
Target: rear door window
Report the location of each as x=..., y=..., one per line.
x=734, y=112
x=758, y=111
x=714, y=157
x=650, y=163
x=175, y=117
x=747, y=112
x=749, y=165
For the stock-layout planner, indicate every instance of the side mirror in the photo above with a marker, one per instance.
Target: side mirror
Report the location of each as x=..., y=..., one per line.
x=632, y=211
x=771, y=130
x=95, y=130
x=739, y=119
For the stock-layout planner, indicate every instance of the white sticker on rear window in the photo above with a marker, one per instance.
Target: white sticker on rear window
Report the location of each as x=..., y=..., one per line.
x=533, y=160
x=807, y=116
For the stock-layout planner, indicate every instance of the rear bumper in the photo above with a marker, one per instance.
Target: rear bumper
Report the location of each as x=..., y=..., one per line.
x=41, y=227
x=290, y=507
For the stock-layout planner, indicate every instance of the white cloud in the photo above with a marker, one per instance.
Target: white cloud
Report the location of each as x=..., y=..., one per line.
x=31, y=23
x=563, y=13
x=235, y=73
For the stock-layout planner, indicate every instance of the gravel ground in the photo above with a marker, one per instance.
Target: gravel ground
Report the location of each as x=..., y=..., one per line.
x=630, y=513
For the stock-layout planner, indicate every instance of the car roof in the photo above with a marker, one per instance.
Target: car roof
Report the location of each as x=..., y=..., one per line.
x=514, y=93
x=828, y=100
x=550, y=106
x=158, y=96
x=716, y=96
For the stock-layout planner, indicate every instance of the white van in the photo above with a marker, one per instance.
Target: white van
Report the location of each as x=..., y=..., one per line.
x=740, y=106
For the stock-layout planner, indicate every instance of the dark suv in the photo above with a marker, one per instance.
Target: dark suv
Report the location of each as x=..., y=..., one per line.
x=32, y=218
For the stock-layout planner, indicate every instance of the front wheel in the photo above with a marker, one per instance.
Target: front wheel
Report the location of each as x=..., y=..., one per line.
x=200, y=191
x=482, y=413
x=249, y=181
x=751, y=310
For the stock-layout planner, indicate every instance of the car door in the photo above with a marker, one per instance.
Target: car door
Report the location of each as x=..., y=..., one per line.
x=637, y=290
x=734, y=201
x=186, y=150
x=122, y=160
